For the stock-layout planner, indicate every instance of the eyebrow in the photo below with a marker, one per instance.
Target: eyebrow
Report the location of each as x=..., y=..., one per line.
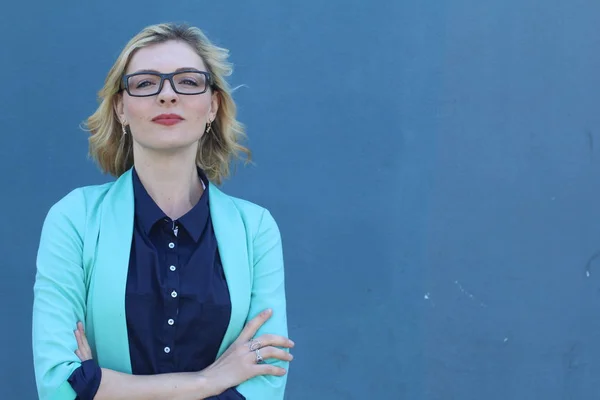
x=177, y=70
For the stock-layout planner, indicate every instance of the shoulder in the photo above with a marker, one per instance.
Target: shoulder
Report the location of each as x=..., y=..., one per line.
x=77, y=205
x=84, y=197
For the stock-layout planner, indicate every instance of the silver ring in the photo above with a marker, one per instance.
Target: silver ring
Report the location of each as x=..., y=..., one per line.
x=259, y=358
x=255, y=345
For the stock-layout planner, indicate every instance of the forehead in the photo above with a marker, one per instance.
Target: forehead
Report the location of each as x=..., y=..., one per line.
x=165, y=57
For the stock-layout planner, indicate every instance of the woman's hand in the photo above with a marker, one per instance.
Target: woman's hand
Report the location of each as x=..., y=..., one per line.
x=242, y=360
x=84, y=352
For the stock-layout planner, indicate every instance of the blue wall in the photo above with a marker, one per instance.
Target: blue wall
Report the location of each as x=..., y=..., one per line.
x=434, y=169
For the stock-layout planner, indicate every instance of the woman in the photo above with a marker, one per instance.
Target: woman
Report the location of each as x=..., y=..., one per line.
x=180, y=287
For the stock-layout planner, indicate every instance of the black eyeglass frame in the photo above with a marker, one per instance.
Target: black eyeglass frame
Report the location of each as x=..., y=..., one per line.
x=169, y=77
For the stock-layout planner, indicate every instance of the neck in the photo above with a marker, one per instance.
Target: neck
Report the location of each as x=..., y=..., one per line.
x=170, y=179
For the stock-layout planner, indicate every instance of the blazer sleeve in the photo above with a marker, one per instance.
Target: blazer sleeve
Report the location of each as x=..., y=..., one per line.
x=59, y=298
x=268, y=291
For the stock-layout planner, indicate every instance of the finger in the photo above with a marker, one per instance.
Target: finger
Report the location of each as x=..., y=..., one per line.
x=86, y=345
x=85, y=352
x=79, y=351
x=268, y=369
x=84, y=341
x=254, y=324
x=275, y=353
x=275, y=340
x=79, y=339
x=79, y=332
x=83, y=355
x=81, y=329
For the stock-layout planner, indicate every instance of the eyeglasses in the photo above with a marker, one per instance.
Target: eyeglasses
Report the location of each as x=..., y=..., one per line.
x=144, y=84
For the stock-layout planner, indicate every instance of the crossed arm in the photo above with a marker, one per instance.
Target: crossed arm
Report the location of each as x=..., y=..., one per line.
x=235, y=366
x=59, y=301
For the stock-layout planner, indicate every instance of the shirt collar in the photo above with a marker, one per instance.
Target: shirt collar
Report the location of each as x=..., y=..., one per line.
x=147, y=212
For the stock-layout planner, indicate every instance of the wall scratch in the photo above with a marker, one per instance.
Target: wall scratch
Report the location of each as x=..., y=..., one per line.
x=588, y=264
x=468, y=294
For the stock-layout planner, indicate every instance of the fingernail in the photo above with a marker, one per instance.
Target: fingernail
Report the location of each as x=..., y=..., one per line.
x=267, y=311
x=292, y=342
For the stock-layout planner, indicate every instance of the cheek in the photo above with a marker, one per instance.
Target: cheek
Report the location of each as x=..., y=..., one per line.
x=137, y=110
x=197, y=109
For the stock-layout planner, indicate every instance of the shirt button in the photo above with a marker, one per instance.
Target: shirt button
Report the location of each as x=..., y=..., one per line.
x=167, y=349
x=171, y=245
x=171, y=322
x=172, y=268
x=173, y=294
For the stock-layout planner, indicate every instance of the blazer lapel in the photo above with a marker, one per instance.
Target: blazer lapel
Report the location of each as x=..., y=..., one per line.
x=110, y=276
x=231, y=238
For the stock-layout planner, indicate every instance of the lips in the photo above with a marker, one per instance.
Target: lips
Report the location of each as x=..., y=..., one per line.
x=167, y=119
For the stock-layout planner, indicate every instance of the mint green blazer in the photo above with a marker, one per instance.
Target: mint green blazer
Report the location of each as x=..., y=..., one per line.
x=81, y=274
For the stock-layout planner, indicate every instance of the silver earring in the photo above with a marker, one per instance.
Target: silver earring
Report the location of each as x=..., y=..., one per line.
x=124, y=129
x=208, y=127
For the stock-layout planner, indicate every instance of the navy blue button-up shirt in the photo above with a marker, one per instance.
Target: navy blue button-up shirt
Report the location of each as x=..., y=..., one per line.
x=177, y=300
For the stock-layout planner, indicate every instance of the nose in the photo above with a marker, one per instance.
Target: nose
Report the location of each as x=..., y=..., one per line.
x=167, y=94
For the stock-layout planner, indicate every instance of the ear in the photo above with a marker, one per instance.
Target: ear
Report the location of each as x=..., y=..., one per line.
x=118, y=107
x=215, y=101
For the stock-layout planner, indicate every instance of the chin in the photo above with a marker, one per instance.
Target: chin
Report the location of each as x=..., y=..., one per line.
x=170, y=140
x=169, y=146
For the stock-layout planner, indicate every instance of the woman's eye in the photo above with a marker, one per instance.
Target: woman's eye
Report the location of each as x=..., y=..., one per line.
x=144, y=84
x=190, y=82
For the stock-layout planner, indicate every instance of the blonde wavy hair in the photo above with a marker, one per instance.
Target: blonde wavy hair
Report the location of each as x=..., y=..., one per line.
x=113, y=151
